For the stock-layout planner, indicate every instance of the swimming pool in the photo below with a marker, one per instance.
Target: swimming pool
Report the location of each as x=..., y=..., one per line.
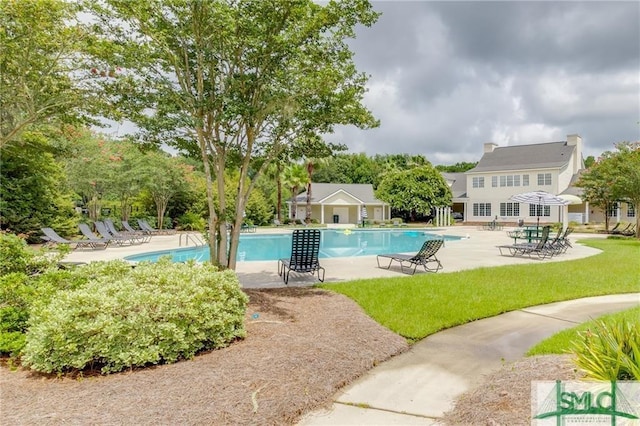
x=334, y=243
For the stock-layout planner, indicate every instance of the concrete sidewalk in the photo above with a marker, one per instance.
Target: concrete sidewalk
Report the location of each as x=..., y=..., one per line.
x=417, y=387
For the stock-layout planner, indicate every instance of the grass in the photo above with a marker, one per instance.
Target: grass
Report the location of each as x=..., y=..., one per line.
x=561, y=343
x=418, y=306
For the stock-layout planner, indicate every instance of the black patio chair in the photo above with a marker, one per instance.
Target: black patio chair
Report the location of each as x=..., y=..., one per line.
x=425, y=256
x=305, y=247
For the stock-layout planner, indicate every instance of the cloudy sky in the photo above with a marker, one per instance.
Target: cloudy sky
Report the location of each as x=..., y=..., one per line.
x=445, y=77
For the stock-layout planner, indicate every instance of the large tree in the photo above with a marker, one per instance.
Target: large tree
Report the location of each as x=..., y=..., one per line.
x=597, y=186
x=626, y=183
x=234, y=81
x=40, y=46
x=33, y=190
x=416, y=190
x=614, y=177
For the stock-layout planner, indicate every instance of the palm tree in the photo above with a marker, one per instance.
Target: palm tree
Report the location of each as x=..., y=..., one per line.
x=311, y=165
x=295, y=177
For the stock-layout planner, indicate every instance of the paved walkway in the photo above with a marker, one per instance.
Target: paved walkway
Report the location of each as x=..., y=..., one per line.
x=417, y=387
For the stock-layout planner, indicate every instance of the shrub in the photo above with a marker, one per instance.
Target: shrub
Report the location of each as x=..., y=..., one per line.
x=125, y=317
x=611, y=351
x=16, y=256
x=191, y=221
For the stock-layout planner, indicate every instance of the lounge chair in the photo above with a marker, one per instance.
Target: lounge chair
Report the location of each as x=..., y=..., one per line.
x=52, y=238
x=145, y=235
x=621, y=231
x=614, y=229
x=305, y=246
x=139, y=236
x=276, y=222
x=540, y=249
x=117, y=239
x=144, y=225
x=248, y=228
x=630, y=231
x=425, y=256
x=92, y=238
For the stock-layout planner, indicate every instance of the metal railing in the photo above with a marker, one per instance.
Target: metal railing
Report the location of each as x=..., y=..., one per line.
x=195, y=239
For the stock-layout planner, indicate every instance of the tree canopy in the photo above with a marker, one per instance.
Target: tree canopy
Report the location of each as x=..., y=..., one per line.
x=233, y=82
x=615, y=176
x=41, y=49
x=417, y=190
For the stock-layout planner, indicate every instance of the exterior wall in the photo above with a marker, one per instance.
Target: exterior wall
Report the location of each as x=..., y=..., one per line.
x=500, y=194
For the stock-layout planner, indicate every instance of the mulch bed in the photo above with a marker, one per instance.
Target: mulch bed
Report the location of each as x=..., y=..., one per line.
x=303, y=344
x=504, y=397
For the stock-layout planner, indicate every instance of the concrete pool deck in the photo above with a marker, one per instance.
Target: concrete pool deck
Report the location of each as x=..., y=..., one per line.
x=476, y=249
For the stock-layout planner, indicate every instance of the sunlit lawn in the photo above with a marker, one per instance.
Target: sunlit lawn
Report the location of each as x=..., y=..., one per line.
x=562, y=342
x=417, y=306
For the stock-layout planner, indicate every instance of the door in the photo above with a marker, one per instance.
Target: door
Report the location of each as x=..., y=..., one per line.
x=342, y=213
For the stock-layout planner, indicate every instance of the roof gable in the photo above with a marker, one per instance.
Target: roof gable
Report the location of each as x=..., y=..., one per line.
x=321, y=191
x=523, y=157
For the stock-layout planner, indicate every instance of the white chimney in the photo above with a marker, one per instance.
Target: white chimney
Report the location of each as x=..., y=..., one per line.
x=489, y=147
x=576, y=140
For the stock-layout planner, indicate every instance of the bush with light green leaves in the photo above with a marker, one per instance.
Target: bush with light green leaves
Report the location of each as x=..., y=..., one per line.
x=127, y=317
x=610, y=351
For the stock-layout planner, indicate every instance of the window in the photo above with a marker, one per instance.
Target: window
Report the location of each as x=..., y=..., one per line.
x=509, y=209
x=478, y=182
x=525, y=180
x=631, y=210
x=536, y=210
x=612, y=211
x=494, y=181
x=544, y=179
x=482, y=209
x=510, y=180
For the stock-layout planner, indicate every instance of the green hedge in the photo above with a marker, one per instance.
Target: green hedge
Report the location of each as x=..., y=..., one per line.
x=123, y=317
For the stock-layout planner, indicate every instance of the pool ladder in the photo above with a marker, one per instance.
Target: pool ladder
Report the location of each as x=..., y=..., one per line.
x=196, y=239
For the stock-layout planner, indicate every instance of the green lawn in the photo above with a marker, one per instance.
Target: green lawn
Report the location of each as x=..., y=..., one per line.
x=561, y=342
x=417, y=306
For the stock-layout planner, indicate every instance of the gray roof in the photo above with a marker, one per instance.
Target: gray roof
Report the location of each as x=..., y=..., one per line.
x=320, y=191
x=459, y=184
x=522, y=157
x=573, y=189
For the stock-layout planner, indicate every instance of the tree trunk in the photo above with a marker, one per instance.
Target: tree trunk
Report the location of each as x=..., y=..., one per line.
x=213, y=219
x=307, y=218
x=294, y=203
x=222, y=219
x=279, y=190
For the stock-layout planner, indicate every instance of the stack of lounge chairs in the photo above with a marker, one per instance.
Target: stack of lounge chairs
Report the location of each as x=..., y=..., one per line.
x=544, y=247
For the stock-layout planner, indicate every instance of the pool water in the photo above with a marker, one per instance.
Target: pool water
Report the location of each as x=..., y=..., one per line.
x=333, y=243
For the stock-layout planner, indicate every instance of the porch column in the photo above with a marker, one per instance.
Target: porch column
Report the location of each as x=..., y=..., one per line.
x=322, y=213
x=586, y=212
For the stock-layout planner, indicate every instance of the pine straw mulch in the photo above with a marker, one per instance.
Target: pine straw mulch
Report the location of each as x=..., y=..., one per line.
x=302, y=345
x=504, y=397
